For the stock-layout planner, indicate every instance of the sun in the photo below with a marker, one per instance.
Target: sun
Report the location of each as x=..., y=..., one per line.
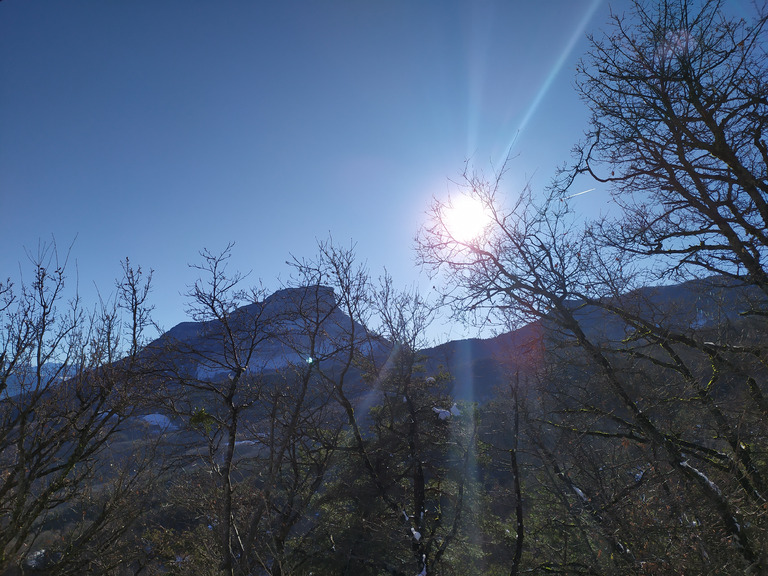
x=465, y=218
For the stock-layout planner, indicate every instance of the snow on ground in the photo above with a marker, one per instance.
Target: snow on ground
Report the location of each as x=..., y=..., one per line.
x=160, y=420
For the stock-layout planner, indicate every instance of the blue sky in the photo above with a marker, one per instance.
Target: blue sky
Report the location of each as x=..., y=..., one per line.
x=154, y=129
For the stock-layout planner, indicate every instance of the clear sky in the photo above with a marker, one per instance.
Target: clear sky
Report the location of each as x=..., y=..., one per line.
x=155, y=128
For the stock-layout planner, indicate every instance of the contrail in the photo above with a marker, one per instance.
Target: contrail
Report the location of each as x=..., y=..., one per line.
x=578, y=194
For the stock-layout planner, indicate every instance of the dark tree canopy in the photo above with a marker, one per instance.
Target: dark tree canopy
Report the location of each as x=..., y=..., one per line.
x=679, y=101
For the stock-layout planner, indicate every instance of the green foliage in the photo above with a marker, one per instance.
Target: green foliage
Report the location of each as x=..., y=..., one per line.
x=202, y=420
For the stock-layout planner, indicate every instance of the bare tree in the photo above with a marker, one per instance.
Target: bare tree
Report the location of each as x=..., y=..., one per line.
x=679, y=101
x=133, y=294
x=403, y=472
x=65, y=395
x=417, y=421
x=299, y=431
x=211, y=380
x=536, y=263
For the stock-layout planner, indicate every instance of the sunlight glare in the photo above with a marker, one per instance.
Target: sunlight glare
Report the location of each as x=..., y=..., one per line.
x=465, y=218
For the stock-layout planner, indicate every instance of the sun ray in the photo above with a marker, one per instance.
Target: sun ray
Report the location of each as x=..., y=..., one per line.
x=575, y=37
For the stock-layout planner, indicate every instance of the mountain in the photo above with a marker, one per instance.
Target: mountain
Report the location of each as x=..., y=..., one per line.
x=292, y=326
x=26, y=377
x=299, y=323
x=685, y=307
x=477, y=366
x=483, y=368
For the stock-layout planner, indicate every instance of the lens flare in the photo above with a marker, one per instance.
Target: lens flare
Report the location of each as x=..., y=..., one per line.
x=577, y=35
